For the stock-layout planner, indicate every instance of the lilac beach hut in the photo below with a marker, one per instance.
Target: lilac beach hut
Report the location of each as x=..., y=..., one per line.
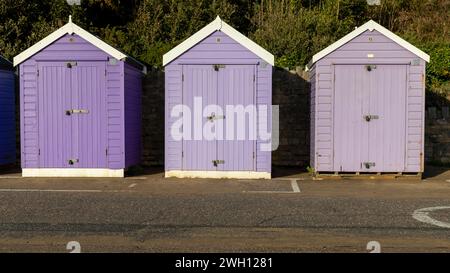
x=80, y=107
x=367, y=104
x=215, y=68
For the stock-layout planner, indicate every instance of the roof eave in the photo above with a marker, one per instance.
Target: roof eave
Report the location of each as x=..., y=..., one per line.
x=217, y=25
x=71, y=28
x=370, y=25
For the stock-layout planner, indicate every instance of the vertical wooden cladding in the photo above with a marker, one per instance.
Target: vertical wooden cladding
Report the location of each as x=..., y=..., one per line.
x=398, y=78
x=7, y=116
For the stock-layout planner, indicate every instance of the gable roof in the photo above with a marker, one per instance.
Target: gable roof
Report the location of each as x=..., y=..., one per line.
x=71, y=28
x=370, y=25
x=217, y=25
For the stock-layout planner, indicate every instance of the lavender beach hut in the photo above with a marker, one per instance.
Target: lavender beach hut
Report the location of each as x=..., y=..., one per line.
x=80, y=107
x=7, y=113
x=367, y=104
x=215, y=68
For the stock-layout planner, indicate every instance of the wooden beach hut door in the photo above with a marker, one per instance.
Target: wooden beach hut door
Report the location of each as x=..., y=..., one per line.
x=218, y=86
x=72, y=117
x=370, y=116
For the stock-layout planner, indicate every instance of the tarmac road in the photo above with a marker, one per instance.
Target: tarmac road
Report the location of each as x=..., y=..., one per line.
x=152, y=214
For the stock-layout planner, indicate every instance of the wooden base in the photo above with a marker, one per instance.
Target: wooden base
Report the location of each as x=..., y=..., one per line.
x=365, y=176
x=218, y=174
x=72, y=173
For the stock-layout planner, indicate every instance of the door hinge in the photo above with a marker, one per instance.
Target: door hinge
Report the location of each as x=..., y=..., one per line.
x=253, y=154
x=39, y=151
x=254, y=78
x=182, y=153
x=106, y=152
x=37, y=73
x=182, y=77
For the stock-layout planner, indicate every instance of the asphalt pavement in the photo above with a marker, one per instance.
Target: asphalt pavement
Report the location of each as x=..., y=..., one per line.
x=290, y=213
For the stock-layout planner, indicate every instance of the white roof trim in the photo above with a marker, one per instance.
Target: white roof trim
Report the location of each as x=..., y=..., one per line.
x=71, y=28
x=370, y=25
x=216, y=25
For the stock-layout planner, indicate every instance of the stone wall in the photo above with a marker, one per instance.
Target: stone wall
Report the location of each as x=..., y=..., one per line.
x=153, y=119
x=291, y=93
x=437, y=130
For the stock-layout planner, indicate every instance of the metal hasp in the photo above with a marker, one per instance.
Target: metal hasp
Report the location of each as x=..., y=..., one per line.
x=73, y=161
x=218, y=66
x=214, y=117
x=71, y=64
x=368, y=118
x=368, y=165
x=371, y=67
x=217, y=162
x=76, y=111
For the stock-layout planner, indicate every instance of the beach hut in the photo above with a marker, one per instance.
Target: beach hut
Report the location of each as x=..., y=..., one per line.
x=7, y=113
x=368, y=104
x=80, y=106
x=223, y=81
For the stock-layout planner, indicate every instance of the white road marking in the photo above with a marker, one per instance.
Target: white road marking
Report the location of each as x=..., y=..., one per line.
x=284, y=192
x=10, y=177
x=79, y=191
x=132, y=185
x=295, y=187
x=422, y=216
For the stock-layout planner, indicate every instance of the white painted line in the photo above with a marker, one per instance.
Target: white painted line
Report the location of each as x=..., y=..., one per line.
x=422, y=216
x=37, y=190
x=75, y=191
x=287, y=179
x=284, y=192
x=10, y=177
x=132, y=185
x=295, y=187
x=136, y=178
